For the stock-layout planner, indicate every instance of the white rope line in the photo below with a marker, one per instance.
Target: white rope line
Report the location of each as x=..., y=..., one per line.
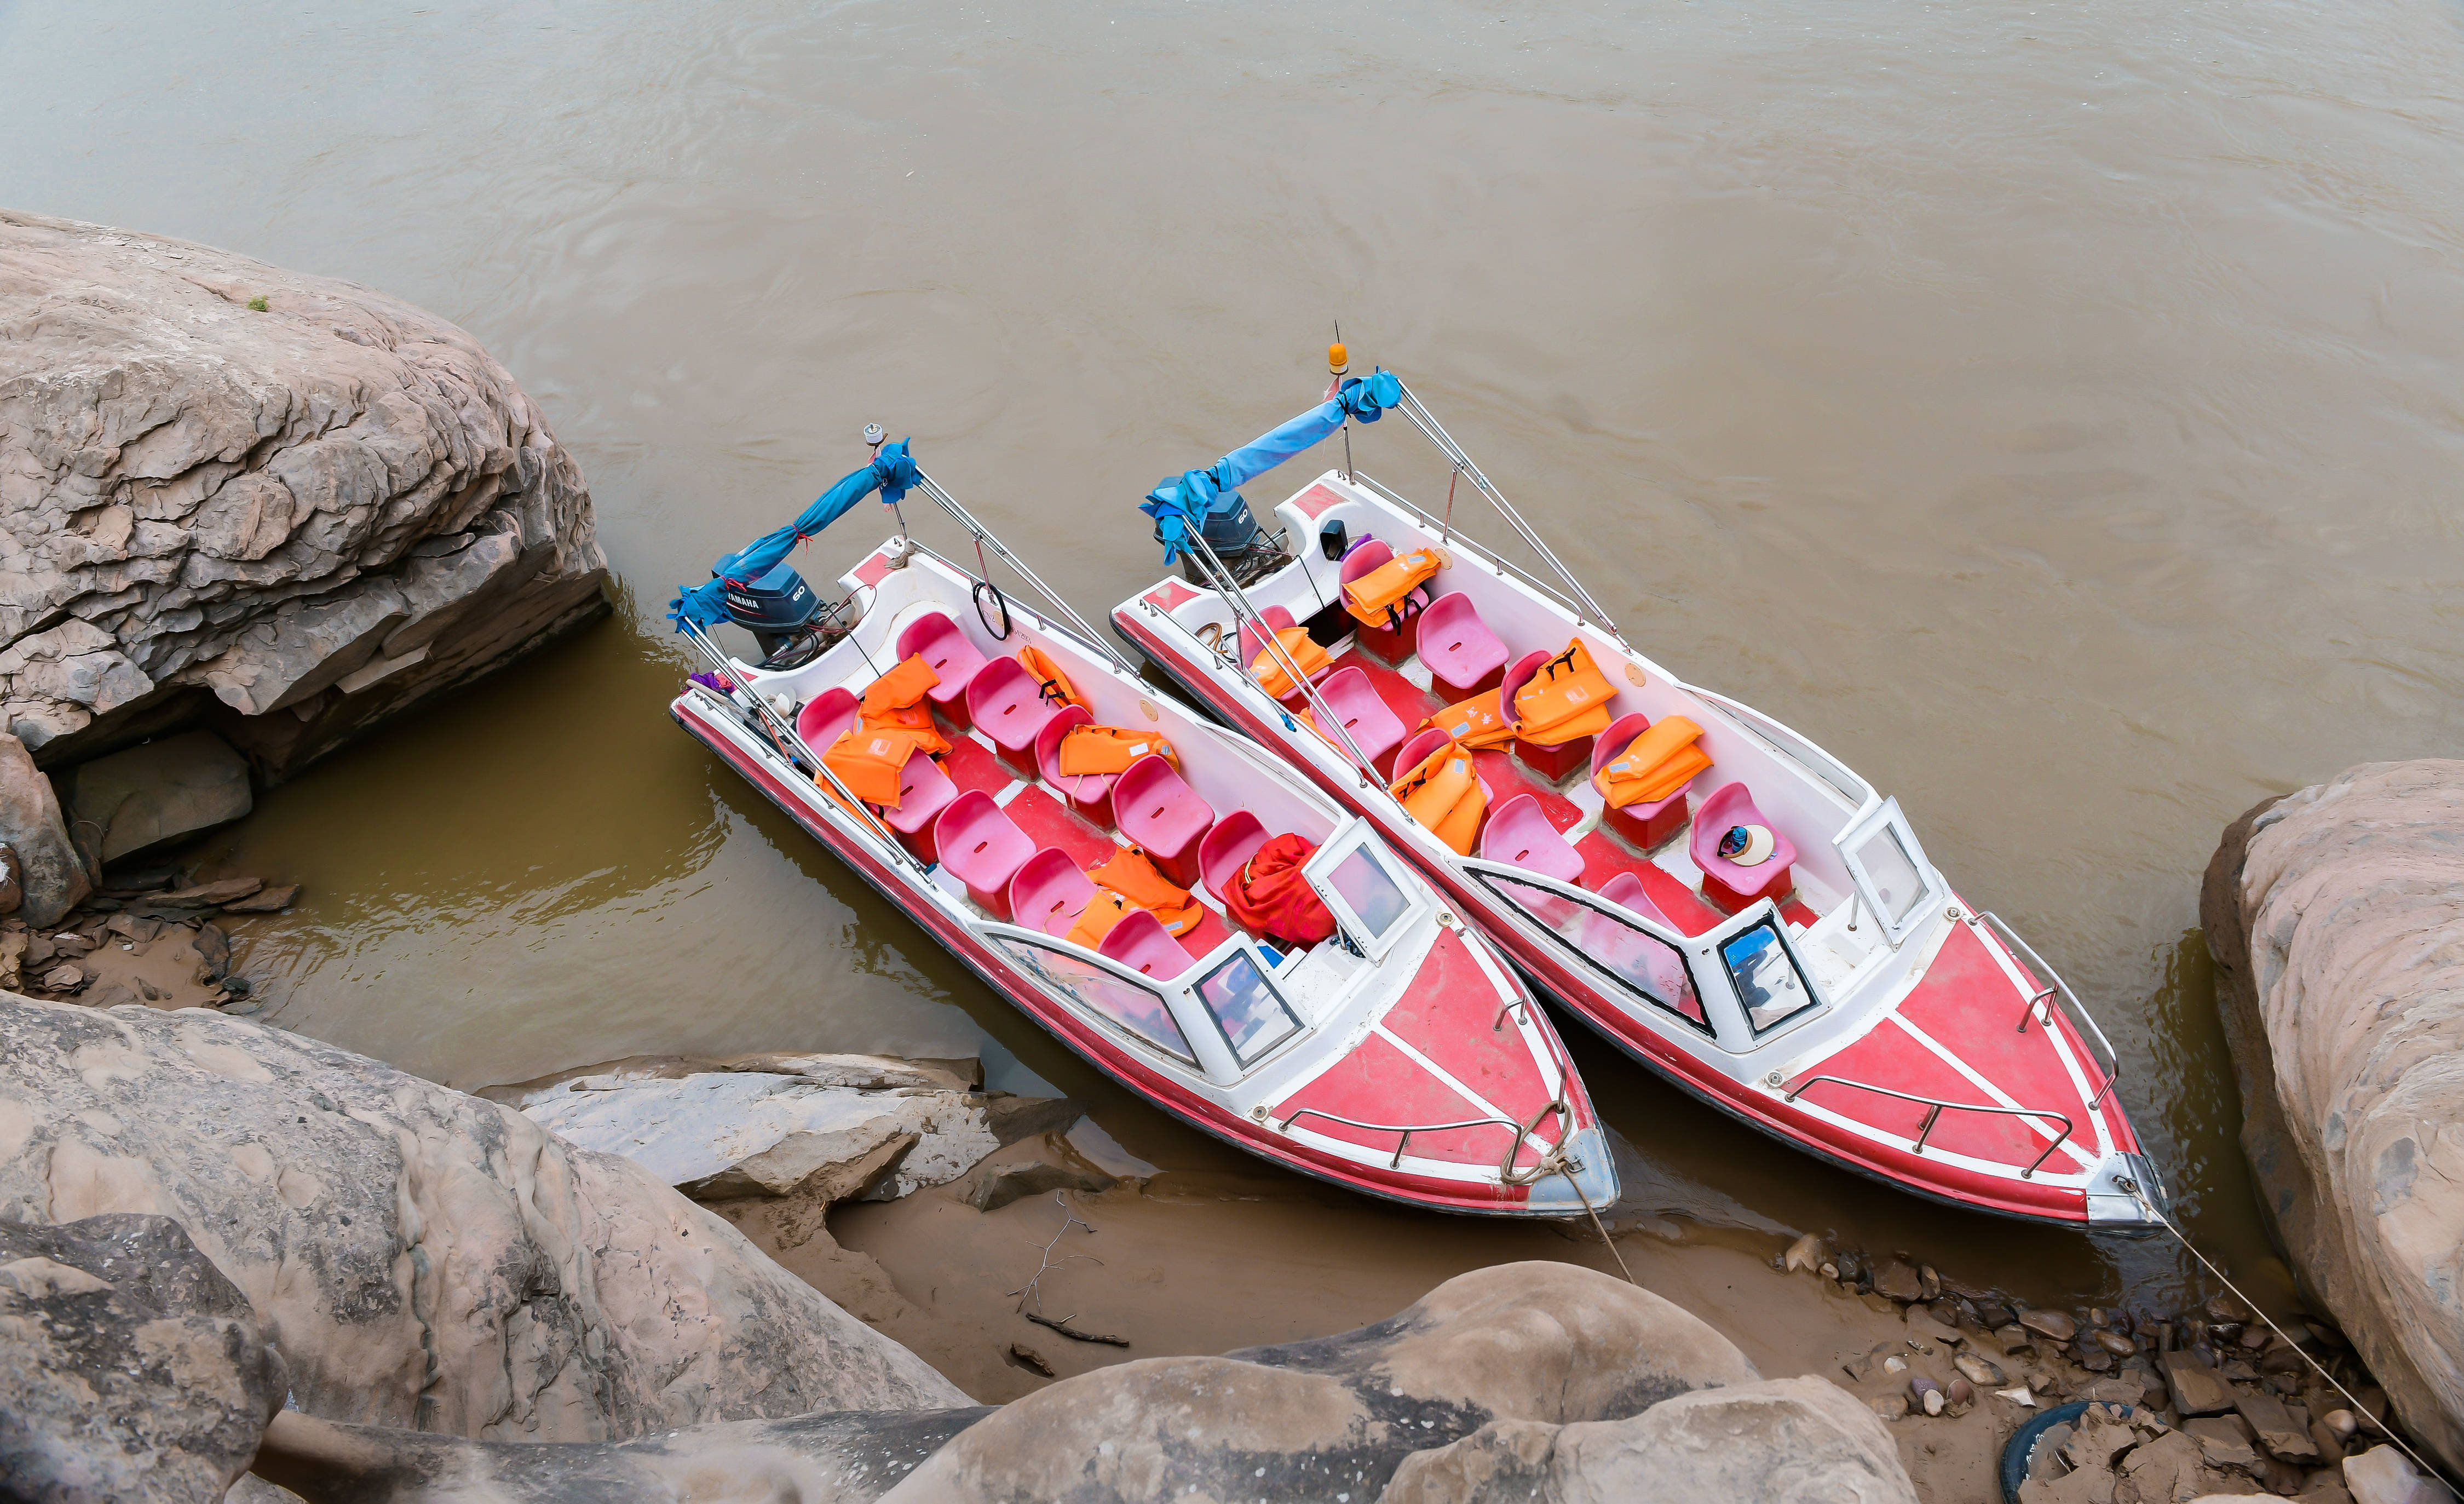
x=2360, y=1412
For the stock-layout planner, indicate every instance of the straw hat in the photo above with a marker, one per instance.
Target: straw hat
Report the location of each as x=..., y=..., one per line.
x=1755, y=848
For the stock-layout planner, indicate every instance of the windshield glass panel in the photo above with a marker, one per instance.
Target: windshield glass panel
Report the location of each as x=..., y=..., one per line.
x=1892, y=872
x=1135, y=1010
x=1246, y=1008
x=1604, y=940
x=1366, y=888
x=1767, y=979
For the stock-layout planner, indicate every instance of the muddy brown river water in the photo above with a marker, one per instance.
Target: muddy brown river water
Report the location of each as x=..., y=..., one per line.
x=2051, y=410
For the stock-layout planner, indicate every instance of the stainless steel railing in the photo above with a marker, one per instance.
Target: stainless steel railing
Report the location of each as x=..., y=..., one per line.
x=2109, y=1060
x=1936, y=1107
x=1408, y=1129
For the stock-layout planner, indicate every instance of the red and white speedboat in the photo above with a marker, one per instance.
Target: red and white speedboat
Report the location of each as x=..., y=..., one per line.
x=1401, y=1057
x=1836, y=993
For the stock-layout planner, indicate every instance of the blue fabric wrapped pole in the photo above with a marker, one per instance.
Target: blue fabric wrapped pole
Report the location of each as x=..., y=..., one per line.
x=1181, y=506
x=892, y=472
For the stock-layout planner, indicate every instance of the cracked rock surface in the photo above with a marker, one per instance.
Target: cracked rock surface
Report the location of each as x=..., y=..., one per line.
x=2336, y=917
x=423, y=1259
x=210, y=513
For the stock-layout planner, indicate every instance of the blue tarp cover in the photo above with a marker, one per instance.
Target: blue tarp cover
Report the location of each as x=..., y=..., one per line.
x=1180, y=506
x=891, y=472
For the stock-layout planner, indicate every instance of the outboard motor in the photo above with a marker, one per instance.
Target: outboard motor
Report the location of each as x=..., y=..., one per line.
x=1232, y=531
x=779, y=609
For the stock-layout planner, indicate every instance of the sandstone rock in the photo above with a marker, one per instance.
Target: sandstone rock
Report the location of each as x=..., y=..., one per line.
x=1778, y=1439
x=330, y=509
x=129, y=1367
x=2284, y=1435
x=2052, y=1325
x=1032, y=1167
x=265, y=900
x=210, y=895
x=1548, y=1344
x=51, y=876
x=831, y=1457
x=133, y=802
x=1808, y=1253
x=1897, y=1280
x=422, y=1258
x=2336, y=916
x=2197, y=1388
x=2225, y=1440
x=2385, y=1475
x=1015, y=1117
x=731, y=1133
x=856, y=1072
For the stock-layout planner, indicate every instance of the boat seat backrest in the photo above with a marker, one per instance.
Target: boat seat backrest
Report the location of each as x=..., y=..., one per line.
x=1734, y=805
x=1155, y=808
x=1517, y=675
x=1455, y=643
x=1140, y=942
x=1047, y=755
x=1374, y=725
x=1253, y=641
x=1007, y=704
x=1620, y=735
x=945, y=650
x=1626, y=890
x=1638, y=957
x=1417, y=748
x=980, y=844
x=826, y=718
x=1233, y=841
x=1048, y=891
x=924, y=792
x=1519, y=834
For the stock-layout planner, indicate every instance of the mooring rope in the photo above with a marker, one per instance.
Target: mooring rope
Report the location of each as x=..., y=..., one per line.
x=2360, y=1412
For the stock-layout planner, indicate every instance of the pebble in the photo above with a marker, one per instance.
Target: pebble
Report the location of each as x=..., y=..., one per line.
x=1894, y=1365
x=1806, y=1253
x=1961, y=1394
x=2225, y=1308
x=2344, y=1423
x=1928, y=1395
x=1979, y=1371
x=2052, y=1325
x=2113, y=1342
x=63, y=978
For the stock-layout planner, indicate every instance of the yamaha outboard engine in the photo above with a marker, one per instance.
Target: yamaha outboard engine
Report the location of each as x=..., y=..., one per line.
x=1232, y=531
x=779, y=609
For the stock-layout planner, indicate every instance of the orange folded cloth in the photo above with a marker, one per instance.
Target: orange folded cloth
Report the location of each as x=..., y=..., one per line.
x=869, y=758
x=1654, y=765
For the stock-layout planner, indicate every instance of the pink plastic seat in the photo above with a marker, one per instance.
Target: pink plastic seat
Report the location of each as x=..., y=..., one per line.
x=1462, y=653
x=980, y=844
x=1007, y=705
x=1417, y=748
x=1090, y=794
x=947, y=653
x=1550, y=762
x=1141, y=943
x=1519, y=834
x=924, y=792
x=1374, y=728
x=1234, y=840
x=1159, y=811
x=1724, y=881
x=1394, y=644
x=1048, y=891
x=1638, y=957
x=826, y=718
x=1645, y=825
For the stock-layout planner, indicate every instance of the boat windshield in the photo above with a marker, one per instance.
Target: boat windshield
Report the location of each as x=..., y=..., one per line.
x=1135, y=1011
x=1605, y=937
x=1369, y=890
x=1767, y=979
x=1246, y=1008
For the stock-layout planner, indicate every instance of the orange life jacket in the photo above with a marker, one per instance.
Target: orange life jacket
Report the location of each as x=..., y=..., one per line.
x=1269, y=896
x=1050, y=685
x=1376, y=598
x=1654, y=765
x=901, y=687
x=1443, y=793
x=869, y=760
x=1109, y=749
x=1297, y=646
x=1567, y=699
x=1132, y=875
x=1096, y=920
x=896, y=702
x=1479, y=721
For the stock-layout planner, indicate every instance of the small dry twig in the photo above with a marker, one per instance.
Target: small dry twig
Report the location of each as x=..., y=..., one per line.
x=1033, y=1289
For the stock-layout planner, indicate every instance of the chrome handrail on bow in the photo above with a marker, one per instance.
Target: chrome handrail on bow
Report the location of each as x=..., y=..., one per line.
x=1407, y=1130
x=1938, y=1107
x=2109, y=1062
